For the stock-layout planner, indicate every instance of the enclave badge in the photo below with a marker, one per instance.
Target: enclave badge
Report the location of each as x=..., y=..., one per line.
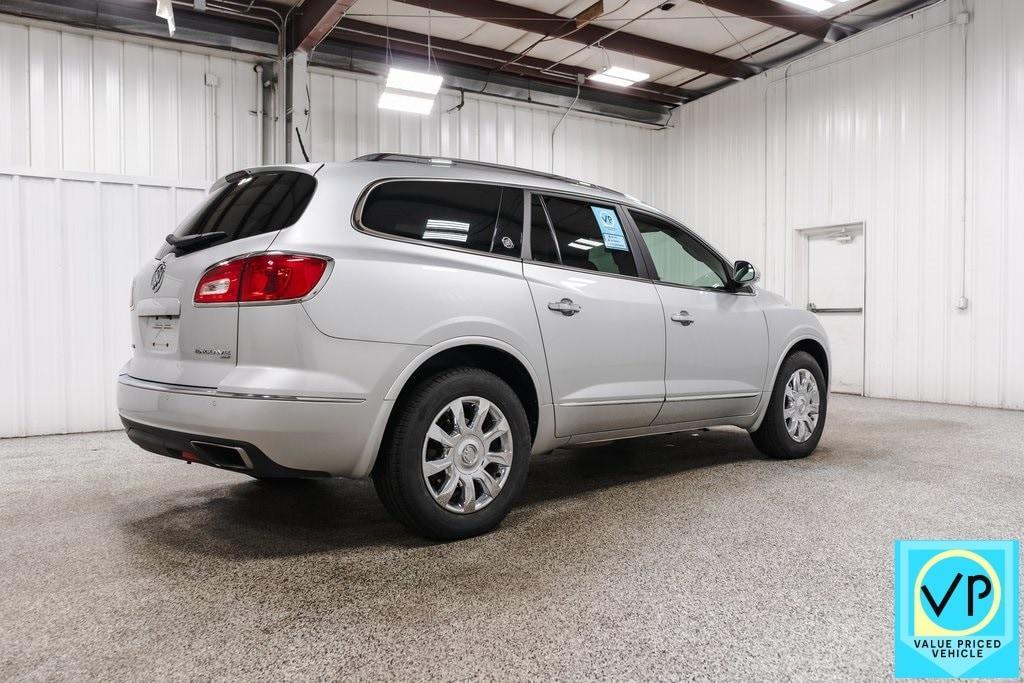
x=158, y=277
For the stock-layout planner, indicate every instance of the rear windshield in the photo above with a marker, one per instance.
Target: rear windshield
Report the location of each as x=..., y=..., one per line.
x=250, y=205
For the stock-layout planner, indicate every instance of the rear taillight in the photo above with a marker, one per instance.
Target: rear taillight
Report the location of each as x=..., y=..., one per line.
x=220, y=284
x=265, y=277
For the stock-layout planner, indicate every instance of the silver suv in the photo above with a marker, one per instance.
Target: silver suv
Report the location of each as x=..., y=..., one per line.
x=433, y=322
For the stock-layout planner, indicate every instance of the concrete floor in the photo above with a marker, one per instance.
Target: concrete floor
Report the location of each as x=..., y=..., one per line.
x=667, y=558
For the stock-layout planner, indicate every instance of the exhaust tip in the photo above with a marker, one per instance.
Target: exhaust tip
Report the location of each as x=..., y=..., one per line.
x=219, y=455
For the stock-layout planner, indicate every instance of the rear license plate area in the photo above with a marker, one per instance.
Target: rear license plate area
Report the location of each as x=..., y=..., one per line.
x=159, y=333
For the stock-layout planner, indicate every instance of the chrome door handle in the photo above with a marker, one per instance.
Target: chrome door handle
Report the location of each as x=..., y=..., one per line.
x=565, y=307
x=683, y=317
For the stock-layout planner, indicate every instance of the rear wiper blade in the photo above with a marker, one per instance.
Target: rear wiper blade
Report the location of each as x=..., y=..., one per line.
x=189, y=243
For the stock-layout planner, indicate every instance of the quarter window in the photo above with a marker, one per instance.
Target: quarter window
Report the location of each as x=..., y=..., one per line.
x=474, y=216
x=678, y=257
x=581, y=235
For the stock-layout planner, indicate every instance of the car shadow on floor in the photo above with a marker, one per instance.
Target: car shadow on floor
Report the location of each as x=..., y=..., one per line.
x=250, y=519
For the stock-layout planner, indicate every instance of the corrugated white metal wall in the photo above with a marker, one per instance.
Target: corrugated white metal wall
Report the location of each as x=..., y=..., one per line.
x=72, y=244
x=105, y=144
x=345, y=122
x=108, y=141
x=873, y=130
x=77, y=101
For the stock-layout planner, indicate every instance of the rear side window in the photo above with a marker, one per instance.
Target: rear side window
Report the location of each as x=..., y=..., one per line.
x=586, y=235
x=250, y=204
x=485, y=218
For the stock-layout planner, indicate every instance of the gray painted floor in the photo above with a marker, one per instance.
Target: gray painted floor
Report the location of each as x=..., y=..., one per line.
x=668, y=558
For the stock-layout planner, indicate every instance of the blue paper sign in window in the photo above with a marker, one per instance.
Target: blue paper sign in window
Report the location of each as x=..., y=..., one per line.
x=611, y=229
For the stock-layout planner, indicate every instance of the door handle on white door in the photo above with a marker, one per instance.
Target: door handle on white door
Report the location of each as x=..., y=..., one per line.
x=683, y=317
x=565, y=306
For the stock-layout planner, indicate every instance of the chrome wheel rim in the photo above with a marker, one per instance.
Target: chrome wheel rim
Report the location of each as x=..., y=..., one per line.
x=467, y=455
x=801, y=405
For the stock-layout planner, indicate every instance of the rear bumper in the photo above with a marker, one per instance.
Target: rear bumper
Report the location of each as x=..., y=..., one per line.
x=276, y=435
x=238, y=456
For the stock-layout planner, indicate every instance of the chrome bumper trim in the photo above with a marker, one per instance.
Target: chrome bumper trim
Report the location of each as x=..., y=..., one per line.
x=210, y=392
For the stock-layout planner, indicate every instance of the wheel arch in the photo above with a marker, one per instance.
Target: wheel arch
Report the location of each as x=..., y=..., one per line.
x=487, y=354
x=812, y=345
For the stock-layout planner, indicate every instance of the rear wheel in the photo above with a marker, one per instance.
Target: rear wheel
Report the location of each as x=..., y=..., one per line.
x=456, y=456
x=796, y=412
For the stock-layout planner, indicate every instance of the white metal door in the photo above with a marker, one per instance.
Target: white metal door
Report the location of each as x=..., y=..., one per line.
x=835, y=292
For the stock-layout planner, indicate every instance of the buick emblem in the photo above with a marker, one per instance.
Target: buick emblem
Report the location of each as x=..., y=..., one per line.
x=158, y=277
x=507, y=242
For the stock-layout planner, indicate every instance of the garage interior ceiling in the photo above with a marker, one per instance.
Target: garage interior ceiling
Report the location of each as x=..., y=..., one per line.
x=523, y=50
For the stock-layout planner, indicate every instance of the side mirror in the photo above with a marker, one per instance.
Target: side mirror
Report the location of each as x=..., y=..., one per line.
x=744, y=273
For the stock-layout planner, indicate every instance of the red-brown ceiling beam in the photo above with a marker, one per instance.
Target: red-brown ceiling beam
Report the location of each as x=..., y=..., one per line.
x=415, y=44
x=783, y=16
x=314, y=20
x=526, y=19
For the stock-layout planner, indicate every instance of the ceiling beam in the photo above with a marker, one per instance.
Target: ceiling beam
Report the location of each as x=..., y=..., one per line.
x=526, y=19
x=783, y=16
x=314, y=20
x=409, y=42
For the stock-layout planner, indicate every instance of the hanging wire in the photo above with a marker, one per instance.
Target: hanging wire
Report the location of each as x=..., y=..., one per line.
x=387, y=33
x=736, y=41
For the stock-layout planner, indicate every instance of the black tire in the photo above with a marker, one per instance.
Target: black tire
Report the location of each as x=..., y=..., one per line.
x=398, y=475
x=772, y=438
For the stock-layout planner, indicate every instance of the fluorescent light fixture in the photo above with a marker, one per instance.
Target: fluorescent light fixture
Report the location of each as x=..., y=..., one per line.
x=414, y=81
x=617, y=75
x=813, y=5
x=402, y=102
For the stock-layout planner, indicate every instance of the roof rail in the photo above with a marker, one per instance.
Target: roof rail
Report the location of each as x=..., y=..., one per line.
x=449, y=161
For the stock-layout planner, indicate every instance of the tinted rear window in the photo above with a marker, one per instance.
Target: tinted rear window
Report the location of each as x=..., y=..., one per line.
x=251, y=205
x=474, y=216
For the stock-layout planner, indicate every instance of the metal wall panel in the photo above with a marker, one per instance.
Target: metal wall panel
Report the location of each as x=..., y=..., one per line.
x=76, y=101
x=345, y=122
x=105, y=145
x=74, y=245
x=873, y=130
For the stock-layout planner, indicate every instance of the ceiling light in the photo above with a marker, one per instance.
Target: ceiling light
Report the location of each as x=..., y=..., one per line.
x=813, y=5
x=397, y=101
x=617, y=75
x=414, y=81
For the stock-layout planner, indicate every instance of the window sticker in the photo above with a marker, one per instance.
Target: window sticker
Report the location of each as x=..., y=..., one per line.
x=611, y=229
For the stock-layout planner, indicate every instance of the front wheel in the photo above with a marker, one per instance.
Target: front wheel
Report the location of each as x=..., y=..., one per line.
x=795, y=418
x=456, y=455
